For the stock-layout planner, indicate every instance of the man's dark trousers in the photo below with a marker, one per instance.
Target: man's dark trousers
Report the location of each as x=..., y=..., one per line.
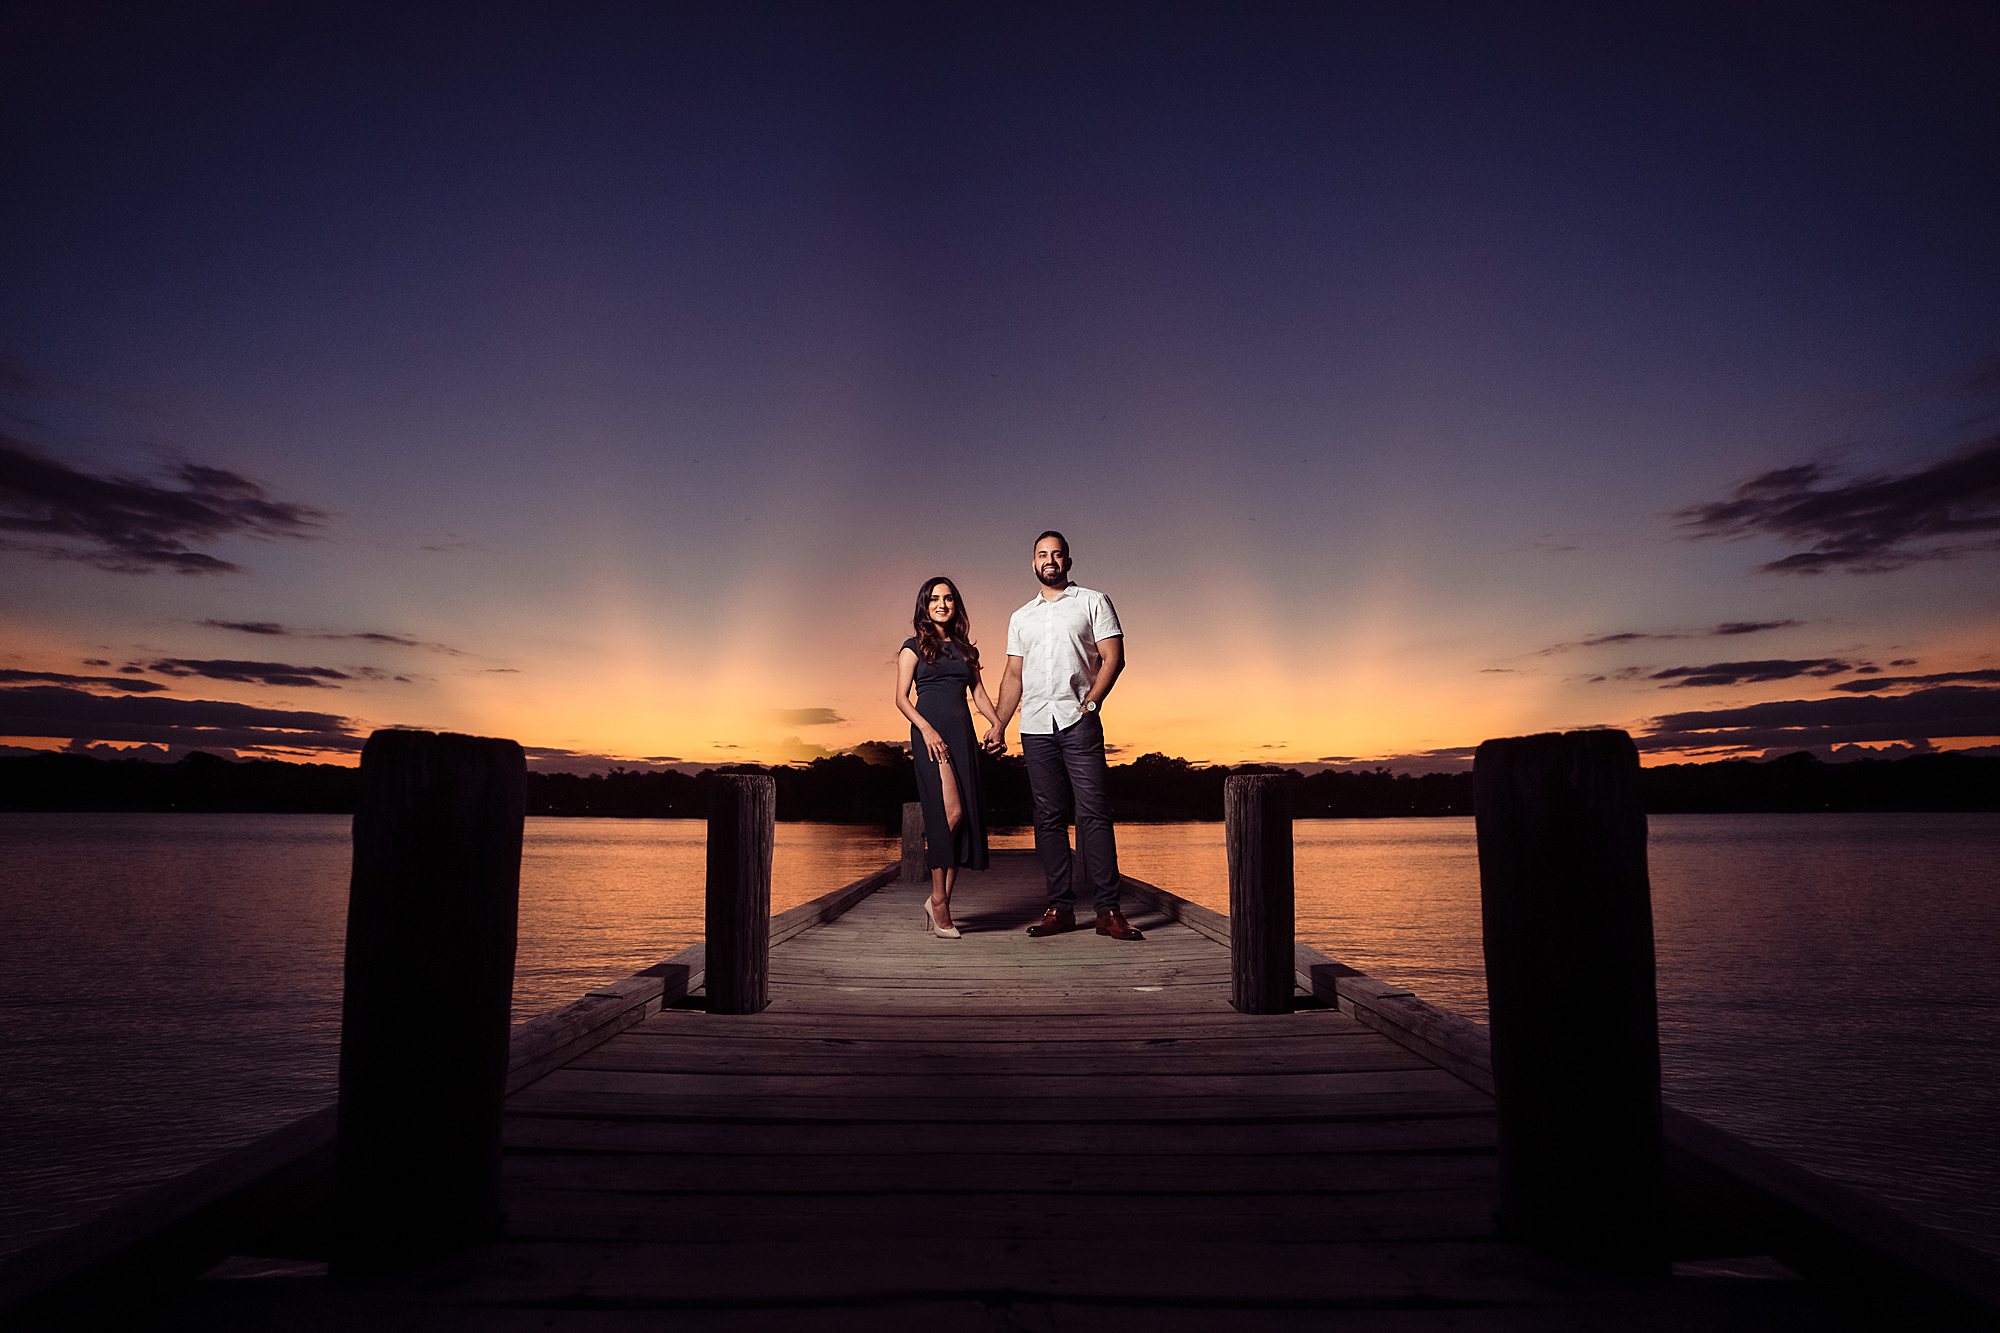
x=1066, y=771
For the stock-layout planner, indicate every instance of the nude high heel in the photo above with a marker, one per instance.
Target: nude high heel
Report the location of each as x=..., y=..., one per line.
x=930, y=923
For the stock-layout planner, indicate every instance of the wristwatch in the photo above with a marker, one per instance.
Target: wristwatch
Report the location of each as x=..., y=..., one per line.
x=1090, y=705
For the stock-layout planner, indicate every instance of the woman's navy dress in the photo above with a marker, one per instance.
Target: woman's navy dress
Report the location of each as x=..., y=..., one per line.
x=941, y=687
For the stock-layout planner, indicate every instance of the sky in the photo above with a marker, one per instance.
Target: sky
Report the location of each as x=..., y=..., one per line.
x=612, y=376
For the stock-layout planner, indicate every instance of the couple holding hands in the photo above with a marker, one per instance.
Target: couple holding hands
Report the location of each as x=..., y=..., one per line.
x=1064, y=652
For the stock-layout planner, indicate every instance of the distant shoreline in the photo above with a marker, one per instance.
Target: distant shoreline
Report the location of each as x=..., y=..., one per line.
x=1152, y=789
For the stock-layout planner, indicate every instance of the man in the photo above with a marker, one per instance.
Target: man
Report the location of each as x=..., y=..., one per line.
x=1064, y=653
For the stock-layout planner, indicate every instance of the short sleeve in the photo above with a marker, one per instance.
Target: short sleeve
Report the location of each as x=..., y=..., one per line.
x=1016, y=645
x=1104, y=619
x=911, y=644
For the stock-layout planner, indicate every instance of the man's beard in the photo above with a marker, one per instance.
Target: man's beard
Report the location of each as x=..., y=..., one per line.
x=1055, y=580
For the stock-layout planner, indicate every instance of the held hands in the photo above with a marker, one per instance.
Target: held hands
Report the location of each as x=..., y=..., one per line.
x=995, y=740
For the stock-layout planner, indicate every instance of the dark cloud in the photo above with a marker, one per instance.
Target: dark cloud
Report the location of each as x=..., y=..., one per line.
x=553, y=759
x=125, y=684
x=1447, y=759
x=1878, y=684
x=129, y=526
x=1727, y=629
x=1731, y=627
x=48, y=710
x=249, y=673
x=1870, y=525
x=1628, y=636
x=272, y=629
x=152, y=754
x=1750, y=673
x=805, y=717
x=1914, y=718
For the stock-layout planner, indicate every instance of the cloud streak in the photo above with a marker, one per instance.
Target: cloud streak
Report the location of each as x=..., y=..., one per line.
x=1727, y=629
x=128, y=526
x=805, y=717
x=76, y=715
x=1870, y=525
x=250, y=673
x=271, y=629
x=1751, y=673
x=123, y=684
x=1874, y=684
x=1924, y=715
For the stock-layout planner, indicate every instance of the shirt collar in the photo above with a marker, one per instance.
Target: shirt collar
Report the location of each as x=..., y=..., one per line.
x=1038, y=600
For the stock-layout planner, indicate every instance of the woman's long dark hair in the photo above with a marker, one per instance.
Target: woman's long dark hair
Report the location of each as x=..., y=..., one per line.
x=958, y=630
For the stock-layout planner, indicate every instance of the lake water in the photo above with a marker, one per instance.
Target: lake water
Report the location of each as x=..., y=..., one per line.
x=170, y=984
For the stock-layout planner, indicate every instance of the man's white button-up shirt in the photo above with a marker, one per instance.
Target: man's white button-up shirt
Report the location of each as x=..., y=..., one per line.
x=1056, y=639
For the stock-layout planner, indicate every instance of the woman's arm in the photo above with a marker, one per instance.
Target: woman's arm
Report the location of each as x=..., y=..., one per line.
x=906, y=672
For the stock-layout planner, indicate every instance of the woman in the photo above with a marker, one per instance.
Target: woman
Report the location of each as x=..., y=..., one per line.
x=936, y=668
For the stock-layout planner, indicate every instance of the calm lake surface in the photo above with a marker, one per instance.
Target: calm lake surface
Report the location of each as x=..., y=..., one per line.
x=170, y=984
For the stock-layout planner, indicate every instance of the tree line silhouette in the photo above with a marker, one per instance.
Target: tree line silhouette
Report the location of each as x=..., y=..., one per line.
x=848, y=789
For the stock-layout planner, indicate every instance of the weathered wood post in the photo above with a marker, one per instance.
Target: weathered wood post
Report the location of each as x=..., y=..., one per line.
x=741, y=811
x=424, y=1024
x=913, y=843
x=1257, y=825
x=1568, y=924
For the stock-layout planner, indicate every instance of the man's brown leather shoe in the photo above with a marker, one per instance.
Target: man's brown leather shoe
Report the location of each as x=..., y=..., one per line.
x=1054, y=922
x=1114, y=924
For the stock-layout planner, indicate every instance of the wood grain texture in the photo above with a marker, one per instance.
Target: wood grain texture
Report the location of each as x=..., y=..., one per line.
x=1257, y=825
x=429, y=976
x=1566, y=911
x=742, y=810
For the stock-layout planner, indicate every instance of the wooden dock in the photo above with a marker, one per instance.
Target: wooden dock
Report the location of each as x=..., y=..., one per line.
x=1000, y=1132
x=995, y=1132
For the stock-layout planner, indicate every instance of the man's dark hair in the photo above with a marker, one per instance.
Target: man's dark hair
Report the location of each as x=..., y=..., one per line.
x=1058, y=536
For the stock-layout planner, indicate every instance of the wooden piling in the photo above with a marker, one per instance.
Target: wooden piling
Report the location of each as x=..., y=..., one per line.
x=741, y=811
x=1257, y=825
x=913, y=843
x=1568, y=926
x=431, y=919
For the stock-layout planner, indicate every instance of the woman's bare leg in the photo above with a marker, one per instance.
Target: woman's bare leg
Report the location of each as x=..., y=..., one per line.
x=953, y=811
